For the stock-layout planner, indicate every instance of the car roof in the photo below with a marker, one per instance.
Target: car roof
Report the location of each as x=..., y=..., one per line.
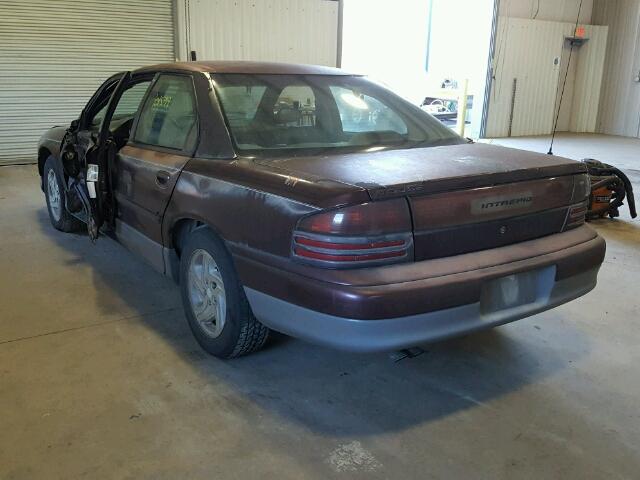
x=244, y=67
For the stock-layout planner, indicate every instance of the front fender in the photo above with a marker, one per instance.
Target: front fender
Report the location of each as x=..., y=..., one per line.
x=49, y=144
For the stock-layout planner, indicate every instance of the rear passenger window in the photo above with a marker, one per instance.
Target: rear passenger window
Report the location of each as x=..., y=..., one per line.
x=168, y=118
x=241, y=103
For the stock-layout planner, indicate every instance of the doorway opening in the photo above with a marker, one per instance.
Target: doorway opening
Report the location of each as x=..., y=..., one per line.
x=427, y=51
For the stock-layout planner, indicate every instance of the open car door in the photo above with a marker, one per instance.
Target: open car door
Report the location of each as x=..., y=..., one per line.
x=88, y=156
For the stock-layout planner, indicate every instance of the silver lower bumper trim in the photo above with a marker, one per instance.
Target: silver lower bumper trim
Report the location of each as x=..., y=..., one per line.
x=402, y=332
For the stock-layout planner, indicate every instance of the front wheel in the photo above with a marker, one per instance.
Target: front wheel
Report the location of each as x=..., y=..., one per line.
x=55, y=195
x=214, y=301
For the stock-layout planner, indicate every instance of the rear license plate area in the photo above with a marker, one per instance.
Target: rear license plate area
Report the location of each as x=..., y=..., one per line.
x=516, y=290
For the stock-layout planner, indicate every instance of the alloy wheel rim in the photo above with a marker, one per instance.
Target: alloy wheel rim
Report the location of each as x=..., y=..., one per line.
x=53, y=191
x=207, y=293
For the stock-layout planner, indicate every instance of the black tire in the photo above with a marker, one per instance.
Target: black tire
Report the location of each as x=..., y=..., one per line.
x=241, y=332
x=60, y=218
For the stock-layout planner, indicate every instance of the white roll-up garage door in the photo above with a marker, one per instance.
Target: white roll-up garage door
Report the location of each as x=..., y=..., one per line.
x=55, y=54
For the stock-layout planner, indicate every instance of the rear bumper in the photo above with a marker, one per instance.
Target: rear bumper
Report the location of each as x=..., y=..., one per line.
x=430, y=300
x=402, y=332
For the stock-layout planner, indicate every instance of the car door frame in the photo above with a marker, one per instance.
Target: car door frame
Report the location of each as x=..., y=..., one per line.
x=134, y=127
x=89, y=147
x=79, y=134
x=123, y=81
x=136, y=237
x=96, y=97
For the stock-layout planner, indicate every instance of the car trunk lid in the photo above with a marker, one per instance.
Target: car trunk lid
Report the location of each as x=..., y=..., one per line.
x=462, y=198
x=462, y=221
x=422, y=171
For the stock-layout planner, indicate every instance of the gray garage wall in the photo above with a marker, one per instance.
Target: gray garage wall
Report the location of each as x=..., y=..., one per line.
x=572, y=114
x=54, y=54
x=528, y=53
x=620, y=99
x=296, y=31
x=553, y=10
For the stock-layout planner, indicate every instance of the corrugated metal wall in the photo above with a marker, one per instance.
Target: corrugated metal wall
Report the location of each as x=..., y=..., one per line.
x=54, y=54
x=297, y=31
x=530, y=52
x=620, y=99
x=526, y=51
x=552, y=10
x=588, y=81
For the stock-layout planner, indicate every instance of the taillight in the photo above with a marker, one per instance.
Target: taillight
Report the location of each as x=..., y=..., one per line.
x=575, y=216
x=361, y=235
x=577, y=212
x=581, y=188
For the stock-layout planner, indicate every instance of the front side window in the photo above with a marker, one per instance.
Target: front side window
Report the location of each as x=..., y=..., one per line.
x=130, y=100
x=268, y=114
x=168, y=118
x=127, y=105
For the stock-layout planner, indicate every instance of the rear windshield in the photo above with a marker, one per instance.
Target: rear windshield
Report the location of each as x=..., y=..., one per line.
x=311, y=113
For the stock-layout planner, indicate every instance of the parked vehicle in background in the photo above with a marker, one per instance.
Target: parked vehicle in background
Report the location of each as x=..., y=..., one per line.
x=319, y=204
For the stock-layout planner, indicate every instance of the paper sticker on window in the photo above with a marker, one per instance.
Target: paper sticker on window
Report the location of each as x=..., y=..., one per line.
x=162, y=102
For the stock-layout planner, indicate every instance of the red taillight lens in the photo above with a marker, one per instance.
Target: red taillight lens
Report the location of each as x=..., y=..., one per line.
x=575, y=216
x=341, y=257
x=375, y=218
x=371, y=233
x=309, y=242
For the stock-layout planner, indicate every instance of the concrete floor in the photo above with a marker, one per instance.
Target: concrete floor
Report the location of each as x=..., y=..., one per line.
x=100, y=377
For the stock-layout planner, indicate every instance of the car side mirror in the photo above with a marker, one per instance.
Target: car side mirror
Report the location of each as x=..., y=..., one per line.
x=74, y=124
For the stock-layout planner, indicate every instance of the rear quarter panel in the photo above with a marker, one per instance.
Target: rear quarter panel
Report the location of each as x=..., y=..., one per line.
x=252, y=207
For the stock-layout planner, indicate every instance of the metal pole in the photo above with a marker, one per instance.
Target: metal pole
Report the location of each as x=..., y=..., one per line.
x=340, y=33
x=462, y=107
x=490, y=69
x=513, y=104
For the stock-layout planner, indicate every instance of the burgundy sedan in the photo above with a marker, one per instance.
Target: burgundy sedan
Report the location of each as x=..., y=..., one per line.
x=319, y=204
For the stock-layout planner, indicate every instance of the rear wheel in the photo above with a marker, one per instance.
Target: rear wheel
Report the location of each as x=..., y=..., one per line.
x=55, y=195
x=215, y=304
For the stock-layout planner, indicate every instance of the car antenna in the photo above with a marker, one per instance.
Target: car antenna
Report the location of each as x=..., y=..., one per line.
x=564, y=83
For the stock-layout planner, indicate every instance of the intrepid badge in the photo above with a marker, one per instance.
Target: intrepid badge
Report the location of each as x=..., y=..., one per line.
x=499, y=203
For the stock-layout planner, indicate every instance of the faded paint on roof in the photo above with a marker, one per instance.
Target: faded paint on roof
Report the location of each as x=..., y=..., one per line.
x=246, y=67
